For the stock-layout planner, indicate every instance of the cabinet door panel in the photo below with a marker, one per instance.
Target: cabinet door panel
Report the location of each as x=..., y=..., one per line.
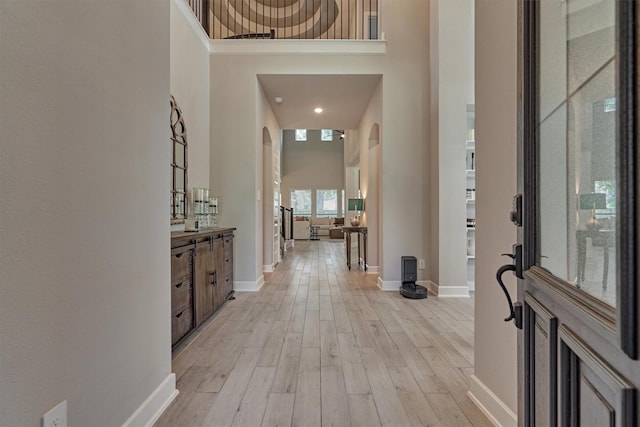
x=203, y=277
x=228, y=264
x=218, y=266
x=181, y=323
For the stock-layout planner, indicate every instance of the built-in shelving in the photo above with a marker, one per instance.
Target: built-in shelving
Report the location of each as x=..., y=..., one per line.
x=470, y=145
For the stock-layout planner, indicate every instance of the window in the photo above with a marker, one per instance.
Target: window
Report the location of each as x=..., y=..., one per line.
x=301, y=134
x=301, y=202
x=326, y=203
x=326, y=135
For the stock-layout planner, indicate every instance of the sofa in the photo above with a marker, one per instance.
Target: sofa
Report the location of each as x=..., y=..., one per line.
x=301, y=226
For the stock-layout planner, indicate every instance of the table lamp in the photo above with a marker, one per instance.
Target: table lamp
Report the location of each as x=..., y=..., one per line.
x=355, y=205
x=593, y=201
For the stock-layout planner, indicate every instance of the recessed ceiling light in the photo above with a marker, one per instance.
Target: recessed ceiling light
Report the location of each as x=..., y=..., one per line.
x=318, y=110
x=278, y=99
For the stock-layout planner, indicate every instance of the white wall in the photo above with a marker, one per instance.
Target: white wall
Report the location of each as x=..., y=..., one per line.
x=311, y=165
x=84, y=265
x=454, y=27
x=190, y=84
x=496, y=136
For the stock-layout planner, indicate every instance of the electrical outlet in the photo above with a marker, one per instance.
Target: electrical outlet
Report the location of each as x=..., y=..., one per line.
x=57, y=416
x=421, y=264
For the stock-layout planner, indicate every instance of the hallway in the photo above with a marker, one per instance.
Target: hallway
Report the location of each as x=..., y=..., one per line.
x=322, y=346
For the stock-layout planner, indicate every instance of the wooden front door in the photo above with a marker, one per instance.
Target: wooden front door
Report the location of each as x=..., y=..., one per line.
x=577, y=257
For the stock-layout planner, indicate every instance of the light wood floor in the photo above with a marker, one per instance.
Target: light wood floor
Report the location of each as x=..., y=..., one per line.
x=322, y=346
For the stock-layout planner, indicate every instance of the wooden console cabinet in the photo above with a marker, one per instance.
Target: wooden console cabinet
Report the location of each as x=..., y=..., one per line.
x=201, y=277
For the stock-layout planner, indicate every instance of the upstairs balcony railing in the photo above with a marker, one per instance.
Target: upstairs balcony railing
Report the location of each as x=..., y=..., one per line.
x=288, y=19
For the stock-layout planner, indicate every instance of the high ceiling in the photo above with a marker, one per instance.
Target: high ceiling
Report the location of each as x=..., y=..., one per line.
x=343, y=99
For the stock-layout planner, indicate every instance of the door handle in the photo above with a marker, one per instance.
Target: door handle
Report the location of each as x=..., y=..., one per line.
x=515, y=310
x=499, y=273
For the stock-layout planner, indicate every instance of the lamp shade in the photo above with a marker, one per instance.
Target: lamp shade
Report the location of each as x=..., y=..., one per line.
x=356, y=204
x=593, y=201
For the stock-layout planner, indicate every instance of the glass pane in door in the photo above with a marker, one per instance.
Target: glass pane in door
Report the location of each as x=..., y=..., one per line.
x=577, y=137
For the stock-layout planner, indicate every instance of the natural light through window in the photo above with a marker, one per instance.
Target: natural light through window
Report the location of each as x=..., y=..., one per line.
x=326, y=203
x=326, y=135
x=301, y=202
x=301, y=134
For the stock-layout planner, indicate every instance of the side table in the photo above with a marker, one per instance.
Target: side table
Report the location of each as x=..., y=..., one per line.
x=313, y=232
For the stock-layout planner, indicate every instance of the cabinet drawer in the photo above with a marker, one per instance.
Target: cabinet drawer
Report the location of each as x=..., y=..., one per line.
x=181, y=293
x=181, y=265
x=181, y=323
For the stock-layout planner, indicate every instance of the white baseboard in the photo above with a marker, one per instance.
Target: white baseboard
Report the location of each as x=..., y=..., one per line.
x=151, y=409
x=248, y=286
x=373, y=269
x=450, y=291
x=267, y=268
x=389, y=285
x=494, y=408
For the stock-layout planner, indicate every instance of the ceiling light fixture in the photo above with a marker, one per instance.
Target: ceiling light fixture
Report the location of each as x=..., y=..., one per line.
x=278, y=99
x=318, y=110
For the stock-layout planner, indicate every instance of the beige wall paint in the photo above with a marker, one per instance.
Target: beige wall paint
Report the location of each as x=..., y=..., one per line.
x=84, y=231
x=369, y=149
x=453, y=23
x=266, y=124
x=311, y=165
x=190, y=87
x=234, y=132
x=496, y=136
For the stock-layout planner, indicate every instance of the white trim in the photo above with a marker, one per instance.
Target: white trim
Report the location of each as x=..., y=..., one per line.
x=451, y=291
x=193, y=23
x=373, y=269
x=297, y=47
x=151, y=409
x=267, y=268
x=389, y=285
x=248, y=286
x=494, y=408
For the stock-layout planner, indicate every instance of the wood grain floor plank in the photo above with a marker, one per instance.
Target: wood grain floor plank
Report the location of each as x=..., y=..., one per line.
x=343, y=323
x=326, y=308
x=448, y=411
x=287, y=371
x=272, y=348
x=307, y=409
x=279, y=410
x=361, y=330
x=415, y=404
x=296, y=322
x=388, y=403
x=335, y=408
x=369, y=358
x=355, y=376
x=228, y=400
x=424, y=375
x=311, y=334
x=329, y=349
x=254, y=402
x=387, y=350
x=363, y=411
